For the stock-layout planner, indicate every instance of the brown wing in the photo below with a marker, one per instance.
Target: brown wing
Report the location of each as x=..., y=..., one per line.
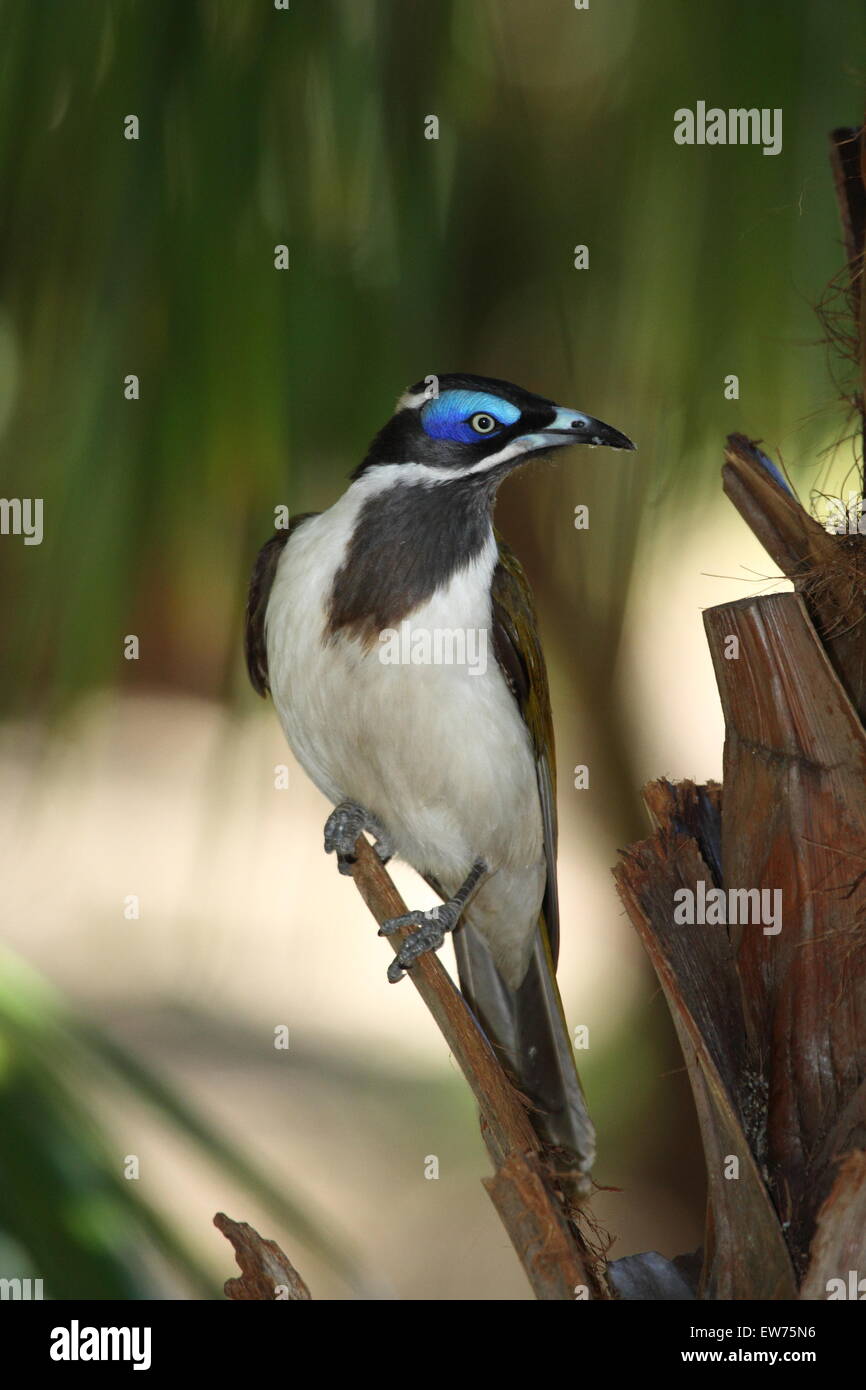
x=521, y=660
x=527, y=1025
x=261, y=583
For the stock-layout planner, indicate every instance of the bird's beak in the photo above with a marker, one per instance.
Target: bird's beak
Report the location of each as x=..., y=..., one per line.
x=573, y=427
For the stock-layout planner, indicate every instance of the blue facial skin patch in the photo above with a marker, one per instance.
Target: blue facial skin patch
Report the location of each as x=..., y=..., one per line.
x=447, y=416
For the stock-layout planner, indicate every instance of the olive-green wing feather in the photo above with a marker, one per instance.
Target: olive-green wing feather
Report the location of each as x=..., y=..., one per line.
x=527, y=1026
x=261, y=583
x=518, y=650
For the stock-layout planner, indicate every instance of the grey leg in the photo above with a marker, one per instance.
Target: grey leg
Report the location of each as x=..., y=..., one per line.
x=432, y=925
x=342, y=828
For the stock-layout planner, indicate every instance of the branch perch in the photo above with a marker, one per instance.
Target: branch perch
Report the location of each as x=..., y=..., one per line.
x=553, y=1251
x=265, y=1270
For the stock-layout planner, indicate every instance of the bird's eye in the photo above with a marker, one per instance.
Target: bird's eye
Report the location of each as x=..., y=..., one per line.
x=483, y=423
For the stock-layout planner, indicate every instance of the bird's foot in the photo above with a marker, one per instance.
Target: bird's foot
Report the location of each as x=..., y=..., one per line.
x=431, y=926
x=342, y=828
x=431, y=930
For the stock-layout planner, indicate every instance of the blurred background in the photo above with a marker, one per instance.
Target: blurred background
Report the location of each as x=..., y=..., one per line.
x=140, y=1086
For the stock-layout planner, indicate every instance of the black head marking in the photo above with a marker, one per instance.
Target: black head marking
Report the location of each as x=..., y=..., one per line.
x=411, y=436
x=448, y=446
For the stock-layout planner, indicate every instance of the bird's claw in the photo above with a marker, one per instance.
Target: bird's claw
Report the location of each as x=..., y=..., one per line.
x=431, y=927
x=342, y=828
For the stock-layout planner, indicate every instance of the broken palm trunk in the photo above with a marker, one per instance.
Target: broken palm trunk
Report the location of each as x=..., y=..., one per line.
x=767, y=988
x=750, y=899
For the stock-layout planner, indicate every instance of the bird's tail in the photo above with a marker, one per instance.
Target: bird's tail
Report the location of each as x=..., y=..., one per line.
x=528, y=1030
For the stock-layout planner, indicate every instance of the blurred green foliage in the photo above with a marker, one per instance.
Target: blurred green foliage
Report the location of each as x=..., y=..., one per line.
x=306, y=127
x=258, y=387
x=69, y=1212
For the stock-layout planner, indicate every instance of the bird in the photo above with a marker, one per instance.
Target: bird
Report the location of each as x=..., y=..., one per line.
x=397, y=636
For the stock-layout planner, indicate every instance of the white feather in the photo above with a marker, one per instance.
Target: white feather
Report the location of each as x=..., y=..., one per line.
x=441, y=756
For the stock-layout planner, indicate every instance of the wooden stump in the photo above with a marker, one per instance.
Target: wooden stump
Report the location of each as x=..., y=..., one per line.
x=767, y=981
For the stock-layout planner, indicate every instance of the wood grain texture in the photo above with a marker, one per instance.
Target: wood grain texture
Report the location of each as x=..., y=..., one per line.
x=828, y=571
x=266, y=1273
x=772, y=1023
x=794, y=820
x=839, y=1247
x=745, y=1253
x=553, y=1248
x=538, y=1230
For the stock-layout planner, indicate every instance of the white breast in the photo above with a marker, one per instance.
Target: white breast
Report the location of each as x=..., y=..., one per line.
x=439, y=754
